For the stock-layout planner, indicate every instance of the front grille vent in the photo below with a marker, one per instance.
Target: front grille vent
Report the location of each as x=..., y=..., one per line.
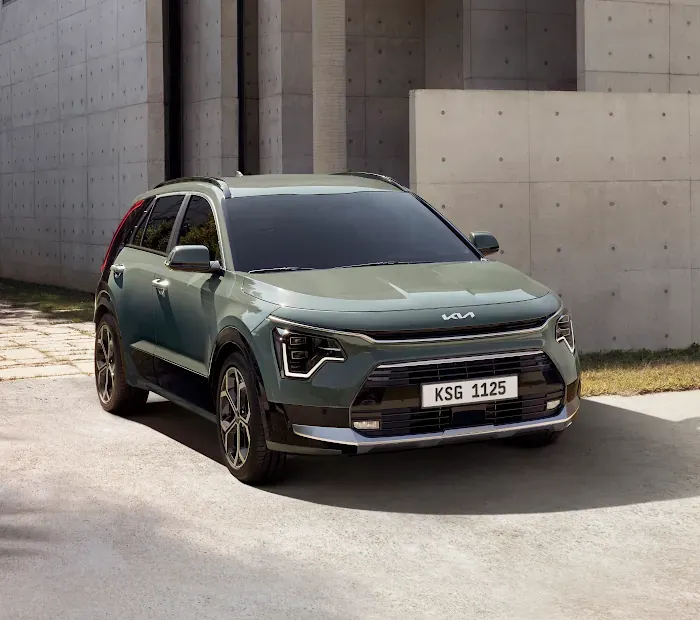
x=394, y=395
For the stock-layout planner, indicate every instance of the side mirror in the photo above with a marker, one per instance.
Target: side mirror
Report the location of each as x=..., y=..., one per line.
x=192, y=258
x=485, y=242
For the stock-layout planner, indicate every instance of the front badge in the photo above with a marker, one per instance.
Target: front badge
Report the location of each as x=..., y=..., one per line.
x=458, y=316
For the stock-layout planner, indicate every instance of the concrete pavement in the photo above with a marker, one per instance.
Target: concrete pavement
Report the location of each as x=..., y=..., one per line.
x=102, y=517
x=32, y=344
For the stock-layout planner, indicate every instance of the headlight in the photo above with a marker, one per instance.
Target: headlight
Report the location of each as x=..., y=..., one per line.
x=565, y=331
x=300, y=355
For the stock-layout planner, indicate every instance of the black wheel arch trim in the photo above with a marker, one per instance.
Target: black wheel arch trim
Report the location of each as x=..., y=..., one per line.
x=103, y=300
x=227, y=337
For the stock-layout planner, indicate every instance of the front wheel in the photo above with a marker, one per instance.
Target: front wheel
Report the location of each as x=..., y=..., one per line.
x=116, y=396
x=241, y=432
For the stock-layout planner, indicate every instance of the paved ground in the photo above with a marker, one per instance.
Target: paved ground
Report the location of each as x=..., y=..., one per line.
x=102, y=517
x=34, y=345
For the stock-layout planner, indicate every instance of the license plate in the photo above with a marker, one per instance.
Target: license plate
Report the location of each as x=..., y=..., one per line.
x=466, y=392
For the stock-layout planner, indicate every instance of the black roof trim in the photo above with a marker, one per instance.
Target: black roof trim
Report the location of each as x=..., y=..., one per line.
x=220, y=183
x=374, y=175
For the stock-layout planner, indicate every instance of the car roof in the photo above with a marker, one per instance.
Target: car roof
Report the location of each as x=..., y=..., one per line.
x=272, y=184
x=266, y=184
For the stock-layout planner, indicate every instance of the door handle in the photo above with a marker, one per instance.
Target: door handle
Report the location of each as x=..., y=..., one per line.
x=160, y=285
x=118, y=270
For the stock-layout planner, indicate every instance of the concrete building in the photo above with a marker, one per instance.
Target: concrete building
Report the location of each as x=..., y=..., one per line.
x=100, y=99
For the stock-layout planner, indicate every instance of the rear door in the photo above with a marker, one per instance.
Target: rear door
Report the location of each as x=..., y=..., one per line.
x=186, y=316
x=131, y=282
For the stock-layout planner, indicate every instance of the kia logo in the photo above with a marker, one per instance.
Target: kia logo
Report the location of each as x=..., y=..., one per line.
x=458, y=316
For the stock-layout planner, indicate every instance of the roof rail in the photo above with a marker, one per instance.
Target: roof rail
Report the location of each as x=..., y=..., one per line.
x=220, y=183
x=374, y=175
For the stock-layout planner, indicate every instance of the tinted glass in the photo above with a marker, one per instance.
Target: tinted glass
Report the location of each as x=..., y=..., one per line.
x=326, y=231
x=199, y=227
x=160, y=224
x=137, y=234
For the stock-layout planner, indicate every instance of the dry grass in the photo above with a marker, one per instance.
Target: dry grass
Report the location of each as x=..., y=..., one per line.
x=628, y=373
x=59, y=303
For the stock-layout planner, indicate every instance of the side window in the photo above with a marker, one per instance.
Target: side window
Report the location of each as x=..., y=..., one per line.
x=199, y=227
x=136, y=235
x=157, y=233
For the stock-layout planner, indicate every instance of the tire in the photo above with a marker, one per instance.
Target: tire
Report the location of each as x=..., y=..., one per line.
x=115, y=395
x=540, y=439
x=242, y=435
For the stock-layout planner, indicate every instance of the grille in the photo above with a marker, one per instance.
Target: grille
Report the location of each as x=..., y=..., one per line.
x=474, y=330
x=393, y=395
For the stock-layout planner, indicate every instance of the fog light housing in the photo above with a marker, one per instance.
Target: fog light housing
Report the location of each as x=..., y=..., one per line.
x=553, y=404
x=367, y=425
x=300, y=355
x=564, y=331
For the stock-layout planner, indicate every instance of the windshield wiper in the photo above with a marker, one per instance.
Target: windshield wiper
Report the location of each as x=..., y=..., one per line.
x=380, y=264
x=276, y=269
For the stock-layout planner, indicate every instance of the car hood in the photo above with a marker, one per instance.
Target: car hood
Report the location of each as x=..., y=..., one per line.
x=448, y=287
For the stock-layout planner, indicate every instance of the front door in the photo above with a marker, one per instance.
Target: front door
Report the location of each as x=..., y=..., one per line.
x=186, y=318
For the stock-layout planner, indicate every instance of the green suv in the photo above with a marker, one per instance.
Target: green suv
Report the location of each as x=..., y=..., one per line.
x=320, y=315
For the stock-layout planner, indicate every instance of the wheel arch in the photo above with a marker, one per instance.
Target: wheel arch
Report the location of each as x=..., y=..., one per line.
x=231, y=340
x=103, y=305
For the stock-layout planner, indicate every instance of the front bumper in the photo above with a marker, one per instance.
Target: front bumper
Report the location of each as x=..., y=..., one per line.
x=382, y=381
x=359, y=444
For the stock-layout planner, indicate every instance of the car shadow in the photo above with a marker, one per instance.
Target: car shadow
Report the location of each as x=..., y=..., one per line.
x=188, y=429
x=609, y=457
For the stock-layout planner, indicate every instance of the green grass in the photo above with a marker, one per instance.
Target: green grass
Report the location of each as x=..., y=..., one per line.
x=629, y=373
x=58, y=303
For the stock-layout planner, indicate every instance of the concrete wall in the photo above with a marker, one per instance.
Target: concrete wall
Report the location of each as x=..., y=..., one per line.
x=596, y=195
x=501, y=44
x=651, y=46
x=210, y=87
x=81, y=130
x=385, y=61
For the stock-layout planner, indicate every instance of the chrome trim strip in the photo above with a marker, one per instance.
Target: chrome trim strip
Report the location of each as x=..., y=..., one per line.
x=521, y=332
x=348, y=437
x=457, y=360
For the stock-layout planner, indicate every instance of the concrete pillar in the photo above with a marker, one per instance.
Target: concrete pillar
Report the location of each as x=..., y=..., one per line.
x=210, y=87
x=285, y=86
x=329, y=86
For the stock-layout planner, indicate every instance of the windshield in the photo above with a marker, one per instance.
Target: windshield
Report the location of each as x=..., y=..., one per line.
x=328, y=231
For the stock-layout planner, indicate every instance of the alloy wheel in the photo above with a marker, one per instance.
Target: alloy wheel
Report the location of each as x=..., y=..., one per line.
x=105, y=362
x=234, y=419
